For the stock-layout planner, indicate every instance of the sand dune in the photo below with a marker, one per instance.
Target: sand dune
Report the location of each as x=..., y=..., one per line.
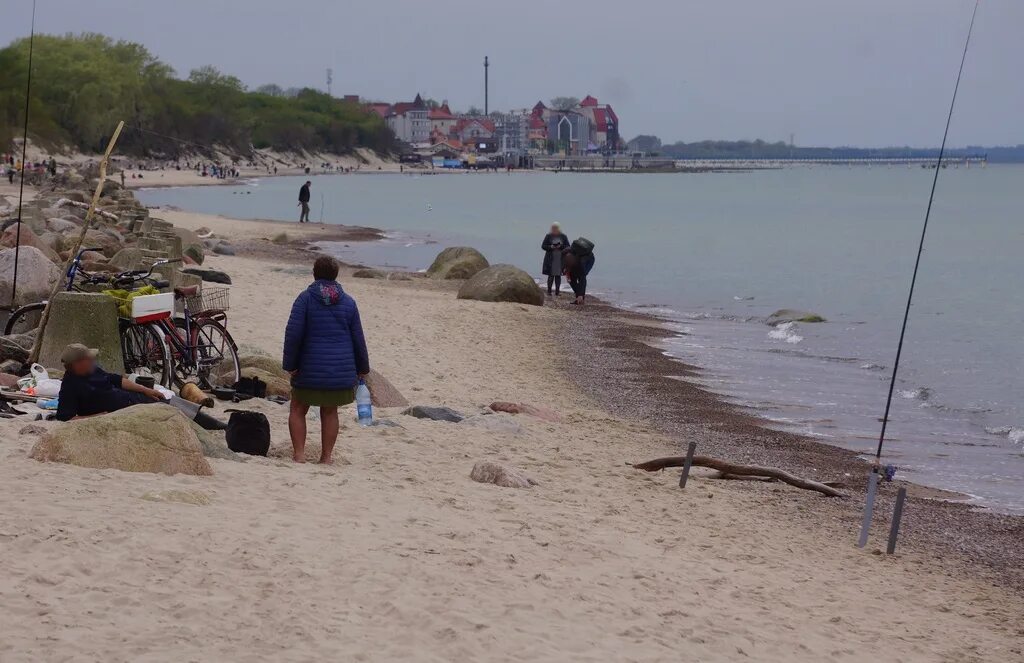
x=394, y=553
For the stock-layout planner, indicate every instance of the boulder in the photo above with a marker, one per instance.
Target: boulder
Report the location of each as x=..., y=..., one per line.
x=8, y=380
x=143, y=438
x=16, y=347
x=383, y=393
x=61, y=226
x=37, y=275
x=434, y=413
x=107, y=242
x=209, y=275
x=28, y=237
x=276, y=385
x=11, y=366
x=503, y=283
x=265, y=363
x=534, y=411
x=792, y=315
x=127, y=258
x=224, y=249
x=369, y=274
x=457, y=262
x=500, y=475
x=82, y=317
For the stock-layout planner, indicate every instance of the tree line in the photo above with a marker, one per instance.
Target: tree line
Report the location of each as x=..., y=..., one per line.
x=83, y=84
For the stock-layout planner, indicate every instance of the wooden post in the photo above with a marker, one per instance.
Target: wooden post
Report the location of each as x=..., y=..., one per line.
x=897, y=515
x=687, y=465
x=869, y=508
x=37, y=344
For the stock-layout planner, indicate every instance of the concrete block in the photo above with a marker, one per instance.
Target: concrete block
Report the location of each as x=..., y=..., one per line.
x=87, y=318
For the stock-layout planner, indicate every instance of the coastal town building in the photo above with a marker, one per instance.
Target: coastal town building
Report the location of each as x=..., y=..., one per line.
x=604, y=125
x=442, y=120
x=569, y=131
x=410, y=121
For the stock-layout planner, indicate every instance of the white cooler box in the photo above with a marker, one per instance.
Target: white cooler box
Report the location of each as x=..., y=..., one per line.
x=147, y=308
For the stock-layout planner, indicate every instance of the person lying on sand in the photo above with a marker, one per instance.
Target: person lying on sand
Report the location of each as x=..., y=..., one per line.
x=87, y=390
x=325, y=352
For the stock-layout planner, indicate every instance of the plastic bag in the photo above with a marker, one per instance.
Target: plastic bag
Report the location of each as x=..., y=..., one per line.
x=47, y=388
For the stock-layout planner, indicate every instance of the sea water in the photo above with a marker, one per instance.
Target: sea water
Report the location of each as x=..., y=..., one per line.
x=717, y=253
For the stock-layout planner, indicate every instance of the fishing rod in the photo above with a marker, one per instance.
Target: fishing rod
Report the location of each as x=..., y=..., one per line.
x=24, y=152
x=869, y=502
x=920, y=246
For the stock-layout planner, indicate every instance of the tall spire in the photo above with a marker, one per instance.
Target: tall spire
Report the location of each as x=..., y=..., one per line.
x=486, y=85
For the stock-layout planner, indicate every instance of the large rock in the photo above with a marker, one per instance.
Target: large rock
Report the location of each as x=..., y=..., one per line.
x=503, y=283
x=28, y=237
x=62, y=226
x=434, y=413
x=383, y=393
x=369, y=274
x=191, y=244
x=143, y=438
x=16, y=347
x=792, y=315
x=127, y=258
x=209, y=275
x=457, y=262
x=87, y=318
x=36, y=276
x=106, y=241
x=486, y=471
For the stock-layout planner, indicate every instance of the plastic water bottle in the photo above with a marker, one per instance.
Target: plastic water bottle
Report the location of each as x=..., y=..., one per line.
x=364, y=408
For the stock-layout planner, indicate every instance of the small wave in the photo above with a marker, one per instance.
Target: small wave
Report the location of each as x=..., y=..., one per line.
x=743, y=299
x=1012, y=433
x=872, y=367
x=919, y=394
x=785, y=332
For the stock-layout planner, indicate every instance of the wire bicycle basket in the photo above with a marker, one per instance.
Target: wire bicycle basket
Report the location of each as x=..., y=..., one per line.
x=209, y=300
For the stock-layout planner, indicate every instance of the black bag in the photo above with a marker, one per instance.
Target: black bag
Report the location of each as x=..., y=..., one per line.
x=582, y=247
x=254, y=387
x=248, y=433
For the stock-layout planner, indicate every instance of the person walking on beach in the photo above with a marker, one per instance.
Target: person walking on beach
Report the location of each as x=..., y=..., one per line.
x=555, y=242
x=325, y=352
x=304, y=202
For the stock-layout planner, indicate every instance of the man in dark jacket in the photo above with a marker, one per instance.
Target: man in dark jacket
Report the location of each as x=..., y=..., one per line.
x=325, y=352
x=304, y=202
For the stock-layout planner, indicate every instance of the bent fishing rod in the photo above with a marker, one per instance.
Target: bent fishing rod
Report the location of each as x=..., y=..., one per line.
x=920, y=246
x=24, y=152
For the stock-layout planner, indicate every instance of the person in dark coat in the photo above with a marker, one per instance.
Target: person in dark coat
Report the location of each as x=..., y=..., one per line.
x=325, y=352
x=577, y=268
x=304, y=202
x=555, y=242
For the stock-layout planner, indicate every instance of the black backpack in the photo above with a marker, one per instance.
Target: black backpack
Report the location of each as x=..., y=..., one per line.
x=248, y=433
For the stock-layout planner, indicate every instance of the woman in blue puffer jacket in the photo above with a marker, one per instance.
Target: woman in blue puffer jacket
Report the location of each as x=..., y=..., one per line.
x=325, y=352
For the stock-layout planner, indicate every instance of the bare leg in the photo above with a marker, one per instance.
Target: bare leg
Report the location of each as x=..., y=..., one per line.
x=328, y=433
x=297, y=428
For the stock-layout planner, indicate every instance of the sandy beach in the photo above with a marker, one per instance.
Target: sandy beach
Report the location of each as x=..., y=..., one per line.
x=393, y=553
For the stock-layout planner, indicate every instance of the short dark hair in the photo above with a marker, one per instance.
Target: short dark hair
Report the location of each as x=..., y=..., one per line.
x=325, y=268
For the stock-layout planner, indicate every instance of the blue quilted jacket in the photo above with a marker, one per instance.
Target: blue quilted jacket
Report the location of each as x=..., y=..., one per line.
x=324, y=339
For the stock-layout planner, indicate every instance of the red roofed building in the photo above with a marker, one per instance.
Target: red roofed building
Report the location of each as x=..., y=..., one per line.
x=470, y=129
x=604, y=124
x=441, y=122
x=380, y=109
x=410, y=121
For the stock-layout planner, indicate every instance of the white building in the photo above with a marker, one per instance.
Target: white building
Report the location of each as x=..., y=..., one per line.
x=410, y=121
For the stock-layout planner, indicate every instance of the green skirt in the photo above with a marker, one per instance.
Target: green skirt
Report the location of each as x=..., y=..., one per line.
x=324, y=397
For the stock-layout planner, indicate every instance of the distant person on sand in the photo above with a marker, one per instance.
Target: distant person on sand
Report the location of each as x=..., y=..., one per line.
x=304, y=202
x=578, y=261
x=325, y=352
x=555, y=242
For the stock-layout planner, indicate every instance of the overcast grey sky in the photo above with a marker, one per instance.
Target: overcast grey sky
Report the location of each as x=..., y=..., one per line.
x=832, y=72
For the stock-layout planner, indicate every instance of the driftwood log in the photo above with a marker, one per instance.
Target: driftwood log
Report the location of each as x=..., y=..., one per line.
x=727, y=468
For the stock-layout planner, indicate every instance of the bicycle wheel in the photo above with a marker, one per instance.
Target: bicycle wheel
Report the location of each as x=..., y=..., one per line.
x=145, y=352
x=216, y=355
x=24, y=319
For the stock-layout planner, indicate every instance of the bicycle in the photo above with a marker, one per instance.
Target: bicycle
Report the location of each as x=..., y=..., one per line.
x=196, y=344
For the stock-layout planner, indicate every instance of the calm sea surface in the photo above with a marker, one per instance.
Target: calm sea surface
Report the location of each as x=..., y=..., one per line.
x=717, y=253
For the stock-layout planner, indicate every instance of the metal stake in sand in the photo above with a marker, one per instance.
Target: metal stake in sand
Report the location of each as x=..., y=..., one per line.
x=687, y=465
x=897, y=514
x=869, y=507
x=38, y=343
x=873, y=480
